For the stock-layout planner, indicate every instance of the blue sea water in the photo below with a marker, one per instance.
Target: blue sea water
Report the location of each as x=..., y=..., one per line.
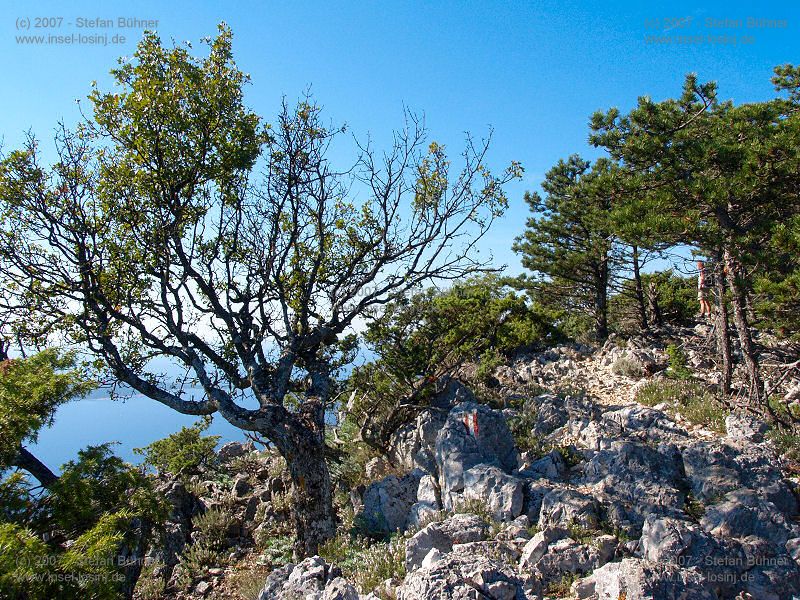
x=133, y=423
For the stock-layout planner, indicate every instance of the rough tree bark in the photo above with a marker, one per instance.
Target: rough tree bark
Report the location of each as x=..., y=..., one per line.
x=739, y=304
x=313, y=512
x=722, y=330
x=601, y=299
x=637, y=277
x=652, y=301
x=312, y=494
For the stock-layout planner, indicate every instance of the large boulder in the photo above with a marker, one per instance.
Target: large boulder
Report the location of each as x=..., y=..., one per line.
x=458, y=576
x=428, y=502
x=309, y=580
x=504, y=550
x=536, y=547
x=599, y=431
x=550, y=466
x=388, y=502
x=176, y=530
x=743, y=514
x=420, y=545
x=680, y=542
x=635, y=579
x=231, y=450
x=420, y=513
x=518, y=530
x=769, y=572
x=669, y=540
x=645, y=423
x=465, y=528
x=751, y=565
x=715, y=468
x=566, y=507
x=534, y=493
x=745, y=427
x=634, y=480
x=413, y=445
x=473, y=434
x=567, y=558
x=458, y=529
x=502, y=493
x=340, y=589
x=550, y=413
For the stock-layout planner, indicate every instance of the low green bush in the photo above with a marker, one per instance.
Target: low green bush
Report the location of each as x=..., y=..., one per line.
x=150, y=585
x=561, y=588
x=349, y=471
x=100, y=503
x=185, y=452
x=194, y=563
x=474, y=506
x=98, y=483
x=694, y=507
x=678, y=368
x=214, y=528
x=787, y=443
x=276, y=549
x=421, y=339
x=694, y=402
x=627, y=367
x=487, y=364
x=367, y=564
x=31, y=568
x=249, y=582
x=521, y=426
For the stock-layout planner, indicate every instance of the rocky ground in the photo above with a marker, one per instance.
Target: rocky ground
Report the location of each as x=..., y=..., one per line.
x=601, y=498
x=613, y=374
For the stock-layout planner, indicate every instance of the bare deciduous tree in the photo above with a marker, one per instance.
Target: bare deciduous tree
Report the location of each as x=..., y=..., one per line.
x=153, y=237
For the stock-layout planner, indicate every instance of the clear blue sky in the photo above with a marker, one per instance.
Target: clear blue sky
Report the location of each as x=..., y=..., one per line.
x=534, y=71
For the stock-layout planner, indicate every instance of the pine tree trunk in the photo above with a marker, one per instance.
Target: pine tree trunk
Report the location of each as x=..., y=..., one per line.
x=743, y=330
x=722, y=331
x=652, y=301
x=601, y=300
x=639, y=290
x=750, y=310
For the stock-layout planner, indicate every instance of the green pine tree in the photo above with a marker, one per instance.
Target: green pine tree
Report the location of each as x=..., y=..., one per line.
x=569, y=245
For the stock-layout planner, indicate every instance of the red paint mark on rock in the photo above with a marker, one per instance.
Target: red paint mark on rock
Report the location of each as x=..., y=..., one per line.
x=470, y=421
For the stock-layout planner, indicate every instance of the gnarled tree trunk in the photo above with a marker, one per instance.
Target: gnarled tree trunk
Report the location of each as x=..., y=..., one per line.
x=312, y=499
x=739, y=304
x=301, y=442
